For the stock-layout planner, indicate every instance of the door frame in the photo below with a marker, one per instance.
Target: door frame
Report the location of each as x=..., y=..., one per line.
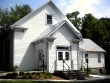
x=64, y=51
x=40, y=59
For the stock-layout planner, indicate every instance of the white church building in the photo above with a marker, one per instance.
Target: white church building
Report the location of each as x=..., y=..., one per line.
x=46, y=35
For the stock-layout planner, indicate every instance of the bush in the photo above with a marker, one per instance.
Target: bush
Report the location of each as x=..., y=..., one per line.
x=9, y=75
x=27, y=73
x=33, y=73
x=21, y=73
x=15, y=74
x=89, y=70
x=48, y=75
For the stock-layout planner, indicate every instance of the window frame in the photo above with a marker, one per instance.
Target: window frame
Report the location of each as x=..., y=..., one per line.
x=60, y=57
x=63, y=48
x=46, y=20
x=67, y=57
x=86, y=58
x=99, y=58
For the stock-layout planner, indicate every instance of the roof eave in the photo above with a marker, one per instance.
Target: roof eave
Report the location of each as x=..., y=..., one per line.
x=28, y=15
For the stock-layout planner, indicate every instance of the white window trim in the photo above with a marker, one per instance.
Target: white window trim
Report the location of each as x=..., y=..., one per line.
x=46, y=19
x=99, y=58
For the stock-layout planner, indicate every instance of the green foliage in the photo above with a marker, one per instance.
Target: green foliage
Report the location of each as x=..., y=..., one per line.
x=96, y=29
x=73, y=17
x=33, y=75
x=28, y=73
x=11, y=15
x=89, y=70
x=21, y=73
x=48, y=75
x=9, y=75
x=15, y=74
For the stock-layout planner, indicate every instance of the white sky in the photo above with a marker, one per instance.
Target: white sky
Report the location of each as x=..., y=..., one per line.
x=99, y=8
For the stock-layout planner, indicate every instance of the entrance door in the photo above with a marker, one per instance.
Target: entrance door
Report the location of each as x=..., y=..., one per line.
x=63, y=55
x=40, y=59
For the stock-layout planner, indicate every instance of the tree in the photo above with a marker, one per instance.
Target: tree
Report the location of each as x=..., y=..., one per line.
x=11, y=15
x=99, y=31
x=89, y=26
x=73, y=17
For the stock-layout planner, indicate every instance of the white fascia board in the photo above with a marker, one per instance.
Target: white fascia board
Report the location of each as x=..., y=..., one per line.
x=77, y=34
x=65, y=18
x=31, y=13
x=20, y=27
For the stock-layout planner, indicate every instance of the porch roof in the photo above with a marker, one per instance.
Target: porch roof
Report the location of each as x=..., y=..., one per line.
x=49, y=31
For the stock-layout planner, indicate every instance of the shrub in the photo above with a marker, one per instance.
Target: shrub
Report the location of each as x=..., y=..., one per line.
x=9, y=75
x=89, y=70
x=37, y=73
x=33, y=73
x=27, y=73
x=26, y=76
x=15, y=74
x=41, y=75
x=21, y=73
x=48, y=75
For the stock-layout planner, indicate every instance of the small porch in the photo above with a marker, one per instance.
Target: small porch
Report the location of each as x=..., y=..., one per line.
x=68, y=73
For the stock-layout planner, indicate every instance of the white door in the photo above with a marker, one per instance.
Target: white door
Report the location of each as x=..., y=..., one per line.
x=63, y=60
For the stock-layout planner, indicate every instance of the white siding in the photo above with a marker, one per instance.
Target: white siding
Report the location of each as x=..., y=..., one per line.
x=36, y=25
x=28, y=60
x=74, y=49
x=38, y=47
x=93, y=59
x=64, y=37
x=25, y=54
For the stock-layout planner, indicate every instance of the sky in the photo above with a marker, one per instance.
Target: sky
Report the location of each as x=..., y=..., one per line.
x=99, y=8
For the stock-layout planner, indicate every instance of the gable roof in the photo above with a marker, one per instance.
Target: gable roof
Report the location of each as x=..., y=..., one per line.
x=89, y=46
x=52, y=29
x=49, y=2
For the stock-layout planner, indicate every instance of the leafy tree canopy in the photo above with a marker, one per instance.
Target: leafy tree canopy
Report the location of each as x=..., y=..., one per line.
x=73, y=17
x=11, y=15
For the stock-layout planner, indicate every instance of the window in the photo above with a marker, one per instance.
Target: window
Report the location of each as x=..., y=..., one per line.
x=66, y=55
x=99, y=58
x=63, y=48
x=60, y=55
x=86, y=58
x=49, y=19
